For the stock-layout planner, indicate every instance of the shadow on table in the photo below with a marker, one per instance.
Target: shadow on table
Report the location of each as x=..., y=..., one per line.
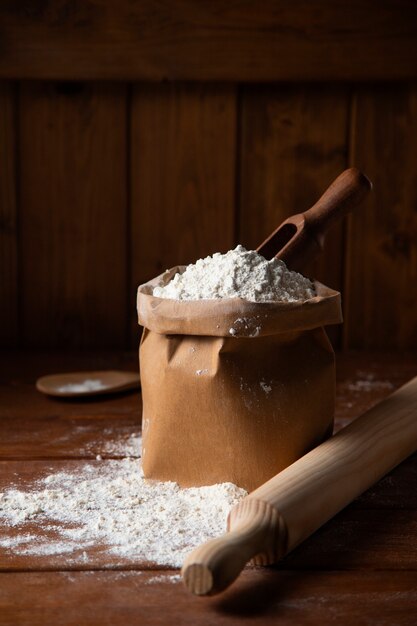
x=260, y=595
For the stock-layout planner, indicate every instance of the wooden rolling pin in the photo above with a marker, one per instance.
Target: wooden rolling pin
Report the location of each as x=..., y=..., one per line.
x=283, y=512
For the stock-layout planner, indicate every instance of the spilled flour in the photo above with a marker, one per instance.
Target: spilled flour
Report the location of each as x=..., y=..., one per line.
x=110, y=505
x=239, y=273
x=125, y=445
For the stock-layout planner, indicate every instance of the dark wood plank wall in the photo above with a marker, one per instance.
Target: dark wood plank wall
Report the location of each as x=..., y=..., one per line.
x=105, y=184
x=209, y=40
x=381, y=255
x=9, y=295
x=72, y=214
x=115, y=182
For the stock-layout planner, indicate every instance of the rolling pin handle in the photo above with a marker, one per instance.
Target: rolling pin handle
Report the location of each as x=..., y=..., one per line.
x=256, y=531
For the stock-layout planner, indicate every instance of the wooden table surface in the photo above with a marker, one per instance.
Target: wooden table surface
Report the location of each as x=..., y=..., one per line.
x=360, y=568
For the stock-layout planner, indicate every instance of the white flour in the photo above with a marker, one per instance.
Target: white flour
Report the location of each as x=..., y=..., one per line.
x=239, y=273
x=125, y=445
x=164, y=578
x=109, y=504
x=367, y=381
x=91, y=384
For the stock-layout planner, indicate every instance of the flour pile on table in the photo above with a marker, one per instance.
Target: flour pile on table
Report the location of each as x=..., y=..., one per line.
x=109, y=504
x=239, y=273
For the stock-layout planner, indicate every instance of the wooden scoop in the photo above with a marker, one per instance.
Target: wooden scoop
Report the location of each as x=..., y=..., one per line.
x=283, y=512
x=300, y=238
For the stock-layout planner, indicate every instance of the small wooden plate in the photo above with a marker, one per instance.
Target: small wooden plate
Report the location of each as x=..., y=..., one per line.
x=80, y=384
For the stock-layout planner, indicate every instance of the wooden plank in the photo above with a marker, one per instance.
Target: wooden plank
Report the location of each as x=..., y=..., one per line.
x=360, y=539
x=21, y=400
x=8, y=219
x=24, y=368
x=73, y=215
x=293, y=145
x=286, y=40
x=392, y=491
x=109, y=435
x=366, y=378
x=382, y=246
x=182, y=176
x=263, y=597
x=266, y=598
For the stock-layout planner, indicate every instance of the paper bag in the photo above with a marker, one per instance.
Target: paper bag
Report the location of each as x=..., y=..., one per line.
x=233, y=390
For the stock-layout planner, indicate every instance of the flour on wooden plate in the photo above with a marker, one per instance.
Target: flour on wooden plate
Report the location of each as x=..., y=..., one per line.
x=109, y=504
x=239, y=273
x=91, y=384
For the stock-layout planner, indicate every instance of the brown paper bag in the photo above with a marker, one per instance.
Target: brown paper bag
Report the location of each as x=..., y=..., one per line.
x=233, y=390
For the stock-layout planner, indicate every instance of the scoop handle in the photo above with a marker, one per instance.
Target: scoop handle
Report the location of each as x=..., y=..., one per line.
x=344, y=194
x=301, y=236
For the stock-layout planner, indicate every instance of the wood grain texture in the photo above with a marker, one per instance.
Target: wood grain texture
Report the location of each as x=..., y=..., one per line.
x=293, y=144
x=381, y=298
x=369, y=539
x=285, y=40
x=261, y=597
x=76, y=436
x=9, y=296
x=182, y=176
x=73, y=215
x=69, y=277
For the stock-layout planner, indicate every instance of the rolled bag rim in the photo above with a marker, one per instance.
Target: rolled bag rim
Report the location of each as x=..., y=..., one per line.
x=227, y=317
